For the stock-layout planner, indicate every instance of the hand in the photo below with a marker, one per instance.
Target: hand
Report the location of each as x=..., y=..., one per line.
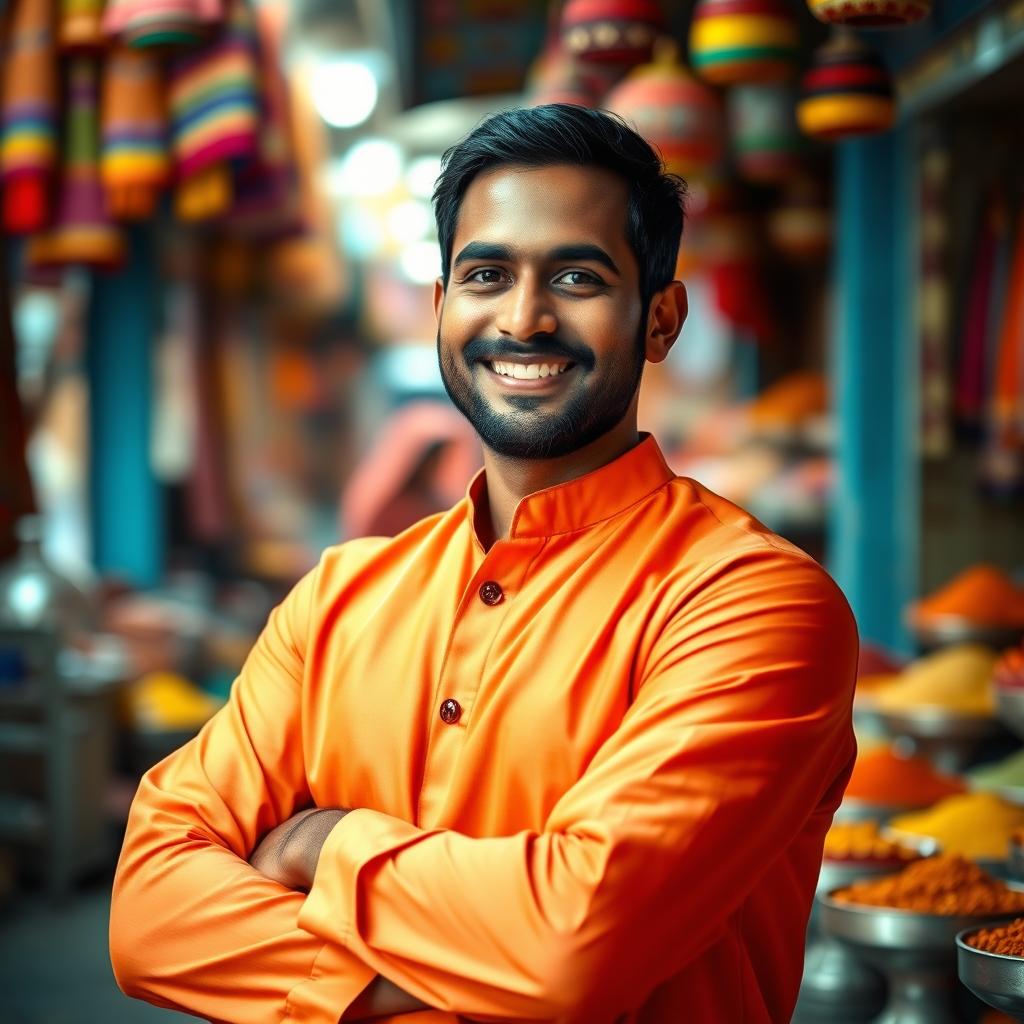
x=289, y=853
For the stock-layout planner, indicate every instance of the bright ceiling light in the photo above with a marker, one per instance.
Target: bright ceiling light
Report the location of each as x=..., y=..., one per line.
x=345, y=91
x=422, y=175
x=420, y=262
x=372, y=167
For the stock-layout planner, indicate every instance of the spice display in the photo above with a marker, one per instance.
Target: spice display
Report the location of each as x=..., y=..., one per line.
x=1008, y=772
x=982, y=595
x=862, y=840
x=1009, y=670
x=1006, y=940
x=977, y=825
x=957, y=679
x=881, y=776
x=946, y=884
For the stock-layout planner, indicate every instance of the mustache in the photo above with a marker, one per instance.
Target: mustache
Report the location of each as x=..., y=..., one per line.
x=489, y=349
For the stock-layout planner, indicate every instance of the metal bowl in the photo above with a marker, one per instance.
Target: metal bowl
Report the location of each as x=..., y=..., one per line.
x=1010, y=708
x=1015, y=861
x=917, y=952
x=952, y=630
x=947, y=739
x=996, y=980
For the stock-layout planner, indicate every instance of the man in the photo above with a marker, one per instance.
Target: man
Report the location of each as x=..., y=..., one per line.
x=566, y=752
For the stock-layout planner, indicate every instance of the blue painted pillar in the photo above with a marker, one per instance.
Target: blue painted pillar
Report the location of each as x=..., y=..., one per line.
x=874, y=530
x=125, y=500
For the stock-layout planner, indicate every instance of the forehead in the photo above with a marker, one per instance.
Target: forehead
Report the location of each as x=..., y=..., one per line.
x=544, y=207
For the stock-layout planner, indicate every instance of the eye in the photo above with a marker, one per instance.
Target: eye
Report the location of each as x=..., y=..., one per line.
x=578, y=278
x=485, y=275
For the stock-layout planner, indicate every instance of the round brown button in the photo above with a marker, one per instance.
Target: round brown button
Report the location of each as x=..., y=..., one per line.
x=491, y=592
x=451, y=711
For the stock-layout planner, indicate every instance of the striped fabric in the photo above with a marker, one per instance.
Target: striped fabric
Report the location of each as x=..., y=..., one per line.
x=135, y=161
x=744, y=41
x=82, y=232
x=214, y=97
x=161, y=22
x=28, y=116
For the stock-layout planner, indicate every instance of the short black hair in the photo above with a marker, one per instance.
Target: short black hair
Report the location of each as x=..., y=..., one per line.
x=563, y=133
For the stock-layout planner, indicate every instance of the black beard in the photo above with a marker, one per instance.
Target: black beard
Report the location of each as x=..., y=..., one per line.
x=588, y=413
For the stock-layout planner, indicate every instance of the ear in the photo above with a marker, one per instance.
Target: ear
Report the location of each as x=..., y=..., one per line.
x=438, y=299
x=665, y=319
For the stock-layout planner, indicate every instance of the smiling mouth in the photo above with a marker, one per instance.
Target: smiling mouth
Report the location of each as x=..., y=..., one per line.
x=526, y=373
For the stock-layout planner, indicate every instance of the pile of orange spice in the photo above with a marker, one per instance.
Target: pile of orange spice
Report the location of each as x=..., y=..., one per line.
x=1006, y=940
x=881, y=776
x=862, y=840
x=982, y=595
x=946, y=884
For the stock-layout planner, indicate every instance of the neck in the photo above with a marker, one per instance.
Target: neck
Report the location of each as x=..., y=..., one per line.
x=510, y=480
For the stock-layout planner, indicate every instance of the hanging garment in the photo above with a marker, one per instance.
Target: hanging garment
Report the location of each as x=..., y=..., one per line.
x=970, y=386
x=214, y=106
x=28, y=116
x=82, y=232
x=135, y=161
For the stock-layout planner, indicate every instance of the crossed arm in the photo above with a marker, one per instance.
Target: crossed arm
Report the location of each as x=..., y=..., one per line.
x=576, y=921
x=288, y=855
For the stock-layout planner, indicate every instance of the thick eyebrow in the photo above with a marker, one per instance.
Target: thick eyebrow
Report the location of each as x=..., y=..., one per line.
x=581, y=253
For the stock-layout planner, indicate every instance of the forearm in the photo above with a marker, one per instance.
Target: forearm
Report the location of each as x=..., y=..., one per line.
x=193, y=927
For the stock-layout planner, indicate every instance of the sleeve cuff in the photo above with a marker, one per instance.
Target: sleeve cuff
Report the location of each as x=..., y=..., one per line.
x=331, y=908
x=335, y=981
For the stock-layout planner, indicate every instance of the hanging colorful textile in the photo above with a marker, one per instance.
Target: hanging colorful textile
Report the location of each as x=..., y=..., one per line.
x=970, y=377
x=161, y=22
x=28, y=116
x=82, y=232
x=847, y=91
x=265, y=189
x=870, y=13
x=612, y=31
x=81, y=25
x=1003, y=465
x=135, y=162
x=744, y=41
x=215, y=113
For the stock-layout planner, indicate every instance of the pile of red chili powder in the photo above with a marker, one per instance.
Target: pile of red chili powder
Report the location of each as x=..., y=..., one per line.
x=947, y=884
x=1007, y=939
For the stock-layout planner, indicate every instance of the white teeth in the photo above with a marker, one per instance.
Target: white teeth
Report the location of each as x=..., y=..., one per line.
x=529, y=371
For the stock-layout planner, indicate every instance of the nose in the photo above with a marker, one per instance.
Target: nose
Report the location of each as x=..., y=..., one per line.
x=526, y=310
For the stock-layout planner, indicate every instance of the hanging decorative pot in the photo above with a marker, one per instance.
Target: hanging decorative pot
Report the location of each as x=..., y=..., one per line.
x=612, y=31
x=847, y=91
x=744, y=41
x=674, y=112
x=870, y=13
x=766, y=143
x=800, y=227
x=558, y=77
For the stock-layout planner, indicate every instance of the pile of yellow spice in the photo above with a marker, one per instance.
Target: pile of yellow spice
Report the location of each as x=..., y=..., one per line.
x=975, y=825
x=957, y=680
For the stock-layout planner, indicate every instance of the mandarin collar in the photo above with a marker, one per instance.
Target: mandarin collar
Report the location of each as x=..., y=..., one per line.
x=585, y=500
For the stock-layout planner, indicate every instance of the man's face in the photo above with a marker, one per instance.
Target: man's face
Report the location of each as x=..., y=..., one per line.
x=540, y=332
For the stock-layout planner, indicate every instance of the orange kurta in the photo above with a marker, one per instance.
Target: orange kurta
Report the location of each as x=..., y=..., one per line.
x=621, y=820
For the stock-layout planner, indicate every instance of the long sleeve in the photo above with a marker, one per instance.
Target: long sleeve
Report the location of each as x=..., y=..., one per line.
x=193, y=926
x=735, y=748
